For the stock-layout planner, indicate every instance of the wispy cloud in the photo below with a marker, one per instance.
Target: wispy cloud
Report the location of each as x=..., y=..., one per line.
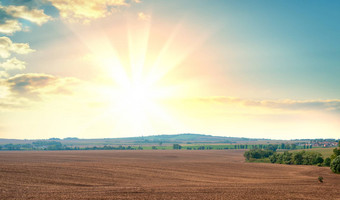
x=23, y=90
x=33, y=15
x=33, y=85
x=10, y=26
x=84, y=11
x=3, y=74
x=28, y=85
x=7, y=47
x=10, y=15
x=144, y=17
x=13, y=64
x=288, y=104
x=13, y=103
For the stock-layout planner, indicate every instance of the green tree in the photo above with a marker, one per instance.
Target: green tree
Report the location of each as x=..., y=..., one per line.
x=319, y=161
x=247, y=155
x=293, y=146
x=272, y=147
x=327, y=162
x=273, y=158
x=335, y=165
x=298, y=158
x=336, y=152
x=258, y=153
x=287, y=157
x=312, y=158
x=176, y=146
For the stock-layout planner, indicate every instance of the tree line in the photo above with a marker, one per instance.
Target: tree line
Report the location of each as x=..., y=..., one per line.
x=297, y=158
x=55, y=145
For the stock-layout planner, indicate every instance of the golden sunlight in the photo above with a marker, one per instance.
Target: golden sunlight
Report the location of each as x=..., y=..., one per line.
x=137, y=81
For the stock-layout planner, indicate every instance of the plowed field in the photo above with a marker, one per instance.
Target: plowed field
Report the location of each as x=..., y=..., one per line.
x=157, y=174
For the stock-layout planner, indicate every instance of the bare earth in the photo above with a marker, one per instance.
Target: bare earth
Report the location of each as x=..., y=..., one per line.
x=157, y=174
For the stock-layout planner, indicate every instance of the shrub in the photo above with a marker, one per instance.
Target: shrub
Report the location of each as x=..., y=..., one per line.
x=327, y=162
x=336, y=152
x=312, y=158
x=176, y=146
x=298, y=158
x=335, y=165
x=272, y=147
x=273, y=158
x=247, y=155
x=319, y=160
x=320, y=178
x=287, y=157
x=258, y=153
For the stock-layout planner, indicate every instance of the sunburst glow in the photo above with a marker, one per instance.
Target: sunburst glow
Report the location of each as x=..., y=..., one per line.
x=136, y=92
x=132, y=68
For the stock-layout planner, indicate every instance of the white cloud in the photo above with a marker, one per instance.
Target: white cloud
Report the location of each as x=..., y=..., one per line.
x=35, y=85
x=7, y=47
x=84, y=11
x=13, y=64
x=3, y=74
x=34, y=15
x=144, y=17
x=10, y=26
x=24, y=90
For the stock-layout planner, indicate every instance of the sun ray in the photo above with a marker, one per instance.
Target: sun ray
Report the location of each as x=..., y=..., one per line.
x=168, y=60
x=138, y=46
x=155, y=69
x=103, y=53
x=135, y=100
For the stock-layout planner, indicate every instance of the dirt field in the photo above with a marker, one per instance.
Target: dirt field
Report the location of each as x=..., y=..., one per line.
x=157, y=175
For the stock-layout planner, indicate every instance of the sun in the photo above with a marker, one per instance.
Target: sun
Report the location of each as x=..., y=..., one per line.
x=137, y=86
x=137, y=106
x=135, y=97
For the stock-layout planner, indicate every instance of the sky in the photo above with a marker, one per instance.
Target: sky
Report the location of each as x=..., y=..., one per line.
x=121, y=68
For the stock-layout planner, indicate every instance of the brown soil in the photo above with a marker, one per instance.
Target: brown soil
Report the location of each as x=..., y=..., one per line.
x=157, y=175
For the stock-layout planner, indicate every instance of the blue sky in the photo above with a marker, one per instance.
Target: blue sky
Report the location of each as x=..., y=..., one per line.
x=122, y=68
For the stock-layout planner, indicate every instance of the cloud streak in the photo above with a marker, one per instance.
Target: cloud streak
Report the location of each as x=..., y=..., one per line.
x=33, y=87
x=84, y=11
x=143, y=17
x=34, y=15
x=25, y=90
x=326, y=105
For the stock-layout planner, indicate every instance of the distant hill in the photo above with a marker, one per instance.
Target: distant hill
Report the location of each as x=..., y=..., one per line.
x=177, y=138
x=190, y=137
x=187, y=140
